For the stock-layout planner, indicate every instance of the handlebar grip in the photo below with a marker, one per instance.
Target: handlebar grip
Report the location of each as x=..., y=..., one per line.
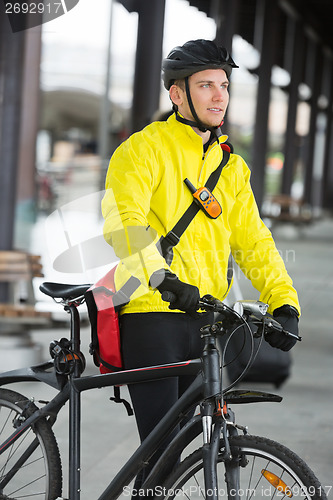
x=169, y=297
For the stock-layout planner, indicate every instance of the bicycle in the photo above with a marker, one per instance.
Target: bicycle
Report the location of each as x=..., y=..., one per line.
x=230, y=463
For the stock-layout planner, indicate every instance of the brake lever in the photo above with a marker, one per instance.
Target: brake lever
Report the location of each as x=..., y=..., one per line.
x=210, y=302
x=274, y=325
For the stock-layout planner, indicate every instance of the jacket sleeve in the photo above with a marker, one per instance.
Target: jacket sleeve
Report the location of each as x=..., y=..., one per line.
x=255, y=252
x=125, y=208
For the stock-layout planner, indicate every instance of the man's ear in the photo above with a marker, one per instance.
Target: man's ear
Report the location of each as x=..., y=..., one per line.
x=176, y=95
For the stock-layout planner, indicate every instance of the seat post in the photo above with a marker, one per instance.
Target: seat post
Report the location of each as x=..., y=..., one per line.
x=75, y=330
x=74, y=411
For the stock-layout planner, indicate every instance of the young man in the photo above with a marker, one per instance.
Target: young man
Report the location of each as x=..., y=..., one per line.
x=146, y=196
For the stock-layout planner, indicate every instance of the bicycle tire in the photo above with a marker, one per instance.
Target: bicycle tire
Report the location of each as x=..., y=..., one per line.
x=261, y=454
x=40, y=476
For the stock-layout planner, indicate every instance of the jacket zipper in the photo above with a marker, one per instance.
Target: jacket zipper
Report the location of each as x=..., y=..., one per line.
x=205, y=158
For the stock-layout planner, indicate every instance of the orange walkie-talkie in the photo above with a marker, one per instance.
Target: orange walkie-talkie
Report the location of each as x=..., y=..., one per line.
x=205, y=199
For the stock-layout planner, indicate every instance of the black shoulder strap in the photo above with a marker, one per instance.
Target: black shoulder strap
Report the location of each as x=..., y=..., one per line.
x=117, y=399
x=173, y=236
x=122, y=296
x=167, y=242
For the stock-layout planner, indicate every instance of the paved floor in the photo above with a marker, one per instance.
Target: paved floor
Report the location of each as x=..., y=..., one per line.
x=303, y=421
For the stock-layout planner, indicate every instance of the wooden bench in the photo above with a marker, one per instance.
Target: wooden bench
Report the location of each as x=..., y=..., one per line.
x=17, y=270
x=283, y=208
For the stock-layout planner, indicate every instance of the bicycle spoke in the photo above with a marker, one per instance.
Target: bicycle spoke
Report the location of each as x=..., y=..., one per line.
x=21, y=463
x=12, y=450
x=254, y=489
x=26, y=485
x=199, y=488
x=250, y=480
x=186, y=495
x=7, y=476
x=6, y=421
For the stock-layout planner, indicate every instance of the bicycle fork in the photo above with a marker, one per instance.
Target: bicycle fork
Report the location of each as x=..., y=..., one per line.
x=210, y=453
x=210, y=449
x=231, y=464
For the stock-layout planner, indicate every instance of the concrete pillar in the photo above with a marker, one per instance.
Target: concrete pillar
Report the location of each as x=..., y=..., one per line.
x=295, y=43
x=11, y=64
x=29, y=124
x=225, y=14
x=147, y=79
x=17, y=152
x=267, y=22
x=105, y=105
x=327, y=181
x=328, y=177
x=313, y=79
x=11, y=70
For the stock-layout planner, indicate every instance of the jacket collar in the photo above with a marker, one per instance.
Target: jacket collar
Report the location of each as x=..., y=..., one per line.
x=188, y=130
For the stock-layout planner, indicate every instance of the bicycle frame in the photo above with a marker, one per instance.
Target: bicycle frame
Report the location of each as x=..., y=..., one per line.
x=205, y=389
x=72, y=392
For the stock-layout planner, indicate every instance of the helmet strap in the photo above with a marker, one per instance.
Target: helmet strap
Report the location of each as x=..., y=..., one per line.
x=181, y=119
x=198, y=122
x=216, y=131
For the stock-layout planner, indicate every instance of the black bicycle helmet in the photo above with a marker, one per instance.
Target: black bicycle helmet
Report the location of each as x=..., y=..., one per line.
x=190, y=58
x=194, y=56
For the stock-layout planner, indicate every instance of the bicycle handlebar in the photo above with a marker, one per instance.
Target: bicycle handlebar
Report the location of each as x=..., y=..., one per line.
x=207, y=302
x=254, y=309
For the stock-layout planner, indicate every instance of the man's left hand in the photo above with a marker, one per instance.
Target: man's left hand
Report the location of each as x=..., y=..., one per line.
x=287, y=316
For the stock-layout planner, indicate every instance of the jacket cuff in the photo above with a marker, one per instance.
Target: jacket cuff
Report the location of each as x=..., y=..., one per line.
x=286, y=310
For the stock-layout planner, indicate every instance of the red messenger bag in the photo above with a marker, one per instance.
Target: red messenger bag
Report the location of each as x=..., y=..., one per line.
x=104, y=303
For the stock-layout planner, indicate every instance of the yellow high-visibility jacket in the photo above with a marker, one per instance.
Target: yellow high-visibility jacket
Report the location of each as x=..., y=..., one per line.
x=145, y=187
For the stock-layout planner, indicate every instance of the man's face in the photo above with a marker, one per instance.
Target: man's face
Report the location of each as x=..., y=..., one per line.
x=210, y=97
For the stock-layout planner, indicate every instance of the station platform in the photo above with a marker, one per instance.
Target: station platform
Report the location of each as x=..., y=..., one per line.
x=302, y=421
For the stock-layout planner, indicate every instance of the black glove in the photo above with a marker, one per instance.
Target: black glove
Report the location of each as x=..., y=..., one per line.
x=287, y=316
x=187, y=295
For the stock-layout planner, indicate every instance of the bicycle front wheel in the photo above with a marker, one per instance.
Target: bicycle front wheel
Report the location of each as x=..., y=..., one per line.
x=30, y=468
x=267, y=470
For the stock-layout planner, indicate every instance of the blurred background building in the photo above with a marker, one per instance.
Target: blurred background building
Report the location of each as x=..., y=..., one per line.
x=74, y=87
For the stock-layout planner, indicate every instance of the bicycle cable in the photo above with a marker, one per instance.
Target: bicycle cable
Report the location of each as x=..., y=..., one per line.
x=252, y=356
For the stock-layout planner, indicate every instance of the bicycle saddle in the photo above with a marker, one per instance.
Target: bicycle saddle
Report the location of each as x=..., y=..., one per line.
x=63, y=291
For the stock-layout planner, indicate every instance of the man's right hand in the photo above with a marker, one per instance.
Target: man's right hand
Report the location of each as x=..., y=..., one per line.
x=287, y=316
x=187, y=295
